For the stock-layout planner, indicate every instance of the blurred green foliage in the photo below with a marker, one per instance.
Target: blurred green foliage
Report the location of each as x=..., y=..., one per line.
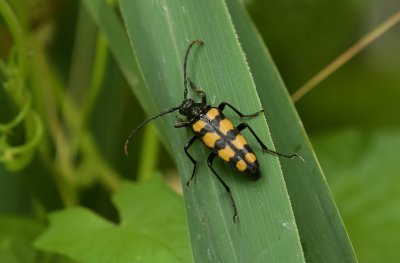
x=305, y=36
x=154, y=224
x=66, y=70
x=353, y=116
x=362, y=168
x=16, y=237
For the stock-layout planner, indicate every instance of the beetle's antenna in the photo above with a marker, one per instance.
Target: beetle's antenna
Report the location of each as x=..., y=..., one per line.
x=143, y=124
x=197, y=41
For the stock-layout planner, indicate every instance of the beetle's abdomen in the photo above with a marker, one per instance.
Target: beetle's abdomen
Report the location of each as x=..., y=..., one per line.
x=221, y=136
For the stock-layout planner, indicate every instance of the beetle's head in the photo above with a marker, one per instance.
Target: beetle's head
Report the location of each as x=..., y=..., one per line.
x=186, y=107
x=191, y=109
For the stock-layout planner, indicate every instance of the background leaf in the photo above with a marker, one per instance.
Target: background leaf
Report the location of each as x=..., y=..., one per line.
x=151, y=228
x=362, y=170
x=16, y=236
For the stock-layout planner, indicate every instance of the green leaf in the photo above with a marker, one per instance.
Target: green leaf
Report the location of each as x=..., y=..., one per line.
x=362, y=169
x=16, y=236
x=151, y=229
x=160, y=32
x=314, y=208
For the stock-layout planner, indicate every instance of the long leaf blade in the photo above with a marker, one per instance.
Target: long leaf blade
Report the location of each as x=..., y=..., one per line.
x=159, y=33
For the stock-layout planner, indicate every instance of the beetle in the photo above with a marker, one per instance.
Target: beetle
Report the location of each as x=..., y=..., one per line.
x=217, y=132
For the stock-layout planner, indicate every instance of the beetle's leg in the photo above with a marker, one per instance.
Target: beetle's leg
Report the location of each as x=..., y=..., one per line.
x=180, y=119
x=228, y=190
x=244, y=125
x=199, y=92
x=182, y=124
x=241, y=115
x=186, y=147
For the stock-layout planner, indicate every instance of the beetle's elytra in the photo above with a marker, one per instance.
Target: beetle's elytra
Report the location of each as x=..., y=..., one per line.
x=219, y=134
x=216, y=132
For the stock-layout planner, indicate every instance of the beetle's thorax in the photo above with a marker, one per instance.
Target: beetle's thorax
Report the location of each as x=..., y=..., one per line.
x=191, y=109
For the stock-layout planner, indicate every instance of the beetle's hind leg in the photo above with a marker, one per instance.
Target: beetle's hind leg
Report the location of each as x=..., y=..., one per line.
x=186, y=147
x=222, y=105
x=228, y=190
x=244, y=125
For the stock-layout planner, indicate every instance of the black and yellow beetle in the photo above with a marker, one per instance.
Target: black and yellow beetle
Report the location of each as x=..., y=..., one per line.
x=216, y=132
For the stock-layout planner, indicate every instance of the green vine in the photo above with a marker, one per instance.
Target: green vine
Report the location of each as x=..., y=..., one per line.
x=14, y=73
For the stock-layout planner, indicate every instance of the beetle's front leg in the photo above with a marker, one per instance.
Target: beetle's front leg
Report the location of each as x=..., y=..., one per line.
x=181, y=124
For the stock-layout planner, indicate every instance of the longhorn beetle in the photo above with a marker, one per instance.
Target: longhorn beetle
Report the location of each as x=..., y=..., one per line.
x=216, y=132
